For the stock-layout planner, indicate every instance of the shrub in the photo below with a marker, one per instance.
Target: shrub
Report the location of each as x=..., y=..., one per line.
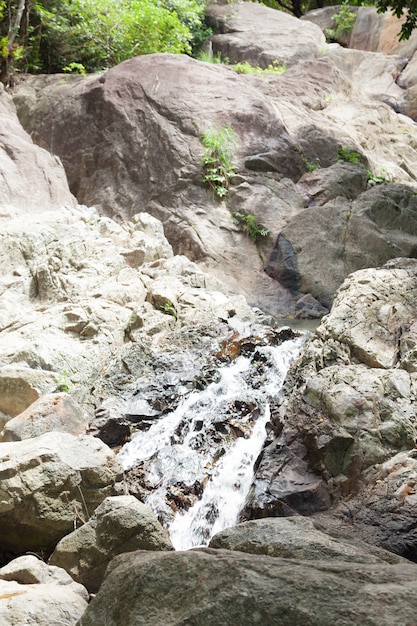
x=220, y=145
x=246, y=68
x=250, y=226
x=344, y=21
x=349, y=155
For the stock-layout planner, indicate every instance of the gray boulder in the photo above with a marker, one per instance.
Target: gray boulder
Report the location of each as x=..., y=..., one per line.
x=301, y=538
x=50, y=485
x=120, y=524
x=32, y=179
x=20, y=387
x=273, y=35
x=215, y=586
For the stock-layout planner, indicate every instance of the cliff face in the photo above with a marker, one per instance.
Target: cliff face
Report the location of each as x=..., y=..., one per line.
x=311, y=144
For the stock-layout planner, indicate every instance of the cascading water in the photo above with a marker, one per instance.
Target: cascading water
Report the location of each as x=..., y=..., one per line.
x=206, y=448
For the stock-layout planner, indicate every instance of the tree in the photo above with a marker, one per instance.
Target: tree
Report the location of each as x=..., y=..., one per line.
x=398, y=7
x=48, y=35
x=10, y=50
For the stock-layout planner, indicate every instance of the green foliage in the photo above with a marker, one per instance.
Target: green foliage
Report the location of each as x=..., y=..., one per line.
x=75, y=68
x=375, y=179
x=246, y=68
x=349, y=155
x=216, y=58
x=220, y=145
x=98, y=34
x=63, y=382
x=344, y=21
x=398, y=7
x=169, y=309
x=250, y=226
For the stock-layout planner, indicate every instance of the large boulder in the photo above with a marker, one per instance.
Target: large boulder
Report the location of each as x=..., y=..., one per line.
x=161, y=136
x=261, y=36
x=298, y=537
x=51, y=484
x=215, y=586
x=32, y=179
x=349, y=411
x=134, y=145
x=367, y=231
x=120, y=524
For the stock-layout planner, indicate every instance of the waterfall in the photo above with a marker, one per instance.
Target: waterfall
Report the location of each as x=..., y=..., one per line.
x=197, y=461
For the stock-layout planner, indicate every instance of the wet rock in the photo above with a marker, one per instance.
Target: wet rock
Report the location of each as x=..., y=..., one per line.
x=154, y=588
x=285, y=485
x=120, y=524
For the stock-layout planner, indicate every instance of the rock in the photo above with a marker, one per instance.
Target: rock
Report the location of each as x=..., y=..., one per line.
x=36, y=593
x=21, y=386
x=56, y=412
x=347, y=180
x=379, y=225
x=279, y=36
x=32, y=179
x=349, y=412
x=30, y=570
x=372, y=31
x=120, y=524
x=40, y=604
x=379, y=32
x=408, y=77
x=285, y=484
x=298, y=538
x=49, y=485
x=214, y=586
x=406, y=104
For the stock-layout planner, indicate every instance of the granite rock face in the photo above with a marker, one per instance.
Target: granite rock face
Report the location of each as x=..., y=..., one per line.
x=134, y=145
x=216, y=586
x=51, y=484
x=120, y=524
x=348, y=414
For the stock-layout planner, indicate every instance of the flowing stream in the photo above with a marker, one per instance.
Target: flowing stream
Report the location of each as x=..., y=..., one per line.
x=200, y=456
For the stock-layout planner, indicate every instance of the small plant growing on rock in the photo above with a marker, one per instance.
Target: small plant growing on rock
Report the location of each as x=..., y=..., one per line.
x=215, y=58
x=169, y=309
x=250, y=226
x=374, y=179
x=220, y=145
x=63, y=382
x=349, y=155
x=344, y=21
x=75, y=68
x=246, y=68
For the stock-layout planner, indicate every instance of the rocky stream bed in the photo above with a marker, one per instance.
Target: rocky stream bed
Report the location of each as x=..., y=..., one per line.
x=171, y=451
